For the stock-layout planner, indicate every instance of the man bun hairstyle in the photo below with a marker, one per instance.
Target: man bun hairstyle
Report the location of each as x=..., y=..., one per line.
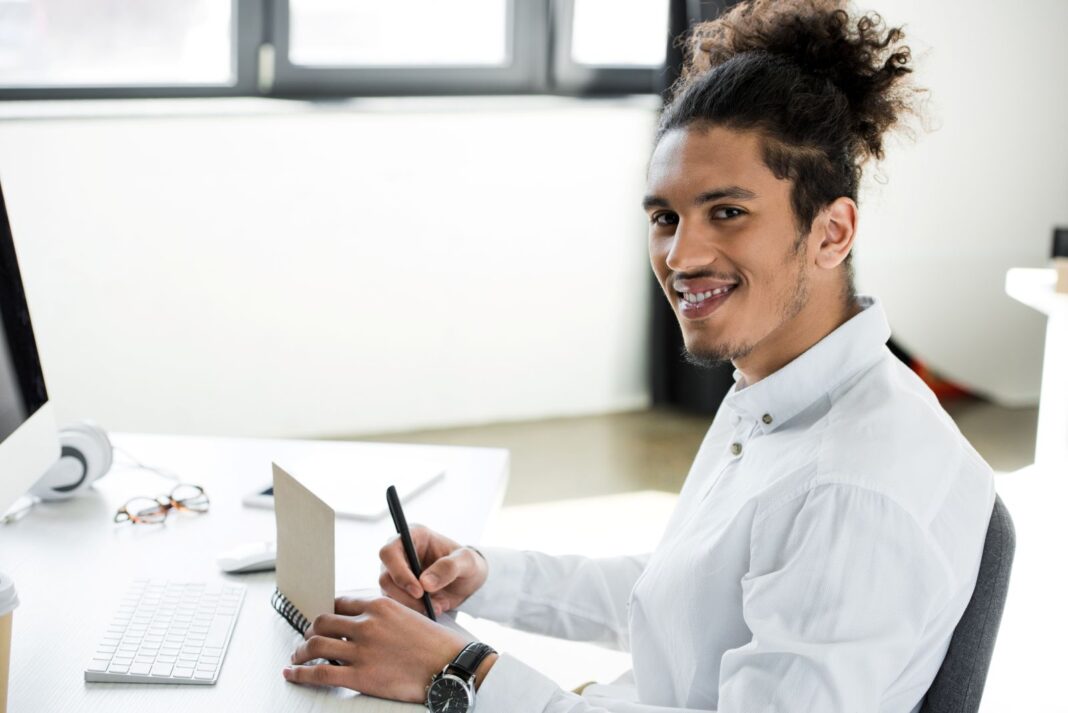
x=820, y=86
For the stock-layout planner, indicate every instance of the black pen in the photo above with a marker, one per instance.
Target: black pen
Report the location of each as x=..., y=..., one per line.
x=401, y=524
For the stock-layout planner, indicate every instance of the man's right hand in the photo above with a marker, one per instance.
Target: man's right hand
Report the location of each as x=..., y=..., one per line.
x=451, y=573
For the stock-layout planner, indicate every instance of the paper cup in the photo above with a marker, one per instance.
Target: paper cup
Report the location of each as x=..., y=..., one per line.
x=9, y=599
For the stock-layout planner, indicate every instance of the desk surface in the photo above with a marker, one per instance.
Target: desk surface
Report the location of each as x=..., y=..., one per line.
x=1034, y=287
x=71, y=564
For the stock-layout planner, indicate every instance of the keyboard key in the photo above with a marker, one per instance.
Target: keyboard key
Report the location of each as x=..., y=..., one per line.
x=219, y=629
x=182, y=672
x=141, y=669
x=162, y=669
x=98, y=665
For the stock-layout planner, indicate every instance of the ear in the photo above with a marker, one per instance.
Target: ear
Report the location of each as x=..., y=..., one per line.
x=836, y=228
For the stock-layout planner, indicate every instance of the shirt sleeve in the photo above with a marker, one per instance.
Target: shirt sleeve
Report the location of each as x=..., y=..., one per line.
x=842, y=582
x=513, y=687
x=567, y=597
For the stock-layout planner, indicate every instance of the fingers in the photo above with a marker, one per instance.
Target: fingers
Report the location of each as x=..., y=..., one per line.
x=337, y=626
x=324, y=647
x=446, y=570
x=442, y=601
x=392, y=556
x=354, y=606
x=391, y=590
x=319, y=675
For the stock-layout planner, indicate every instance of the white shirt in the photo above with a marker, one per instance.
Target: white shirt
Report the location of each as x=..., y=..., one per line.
x=824, y=546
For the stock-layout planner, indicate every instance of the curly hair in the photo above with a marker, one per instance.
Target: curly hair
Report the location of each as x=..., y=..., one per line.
x=820, y=86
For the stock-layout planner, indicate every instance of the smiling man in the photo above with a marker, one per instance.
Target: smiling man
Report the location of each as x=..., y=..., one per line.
x=828, y=536
x=748, y=285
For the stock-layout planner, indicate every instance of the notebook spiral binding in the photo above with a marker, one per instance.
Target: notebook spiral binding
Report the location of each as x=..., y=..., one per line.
x=289, y=612
x=298, y=621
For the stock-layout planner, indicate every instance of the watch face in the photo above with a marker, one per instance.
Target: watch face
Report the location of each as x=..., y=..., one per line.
x=448, y=694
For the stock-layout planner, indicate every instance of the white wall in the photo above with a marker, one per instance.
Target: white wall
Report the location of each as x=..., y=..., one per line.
x=267, y=268
x=977, y=195
x=301, y=271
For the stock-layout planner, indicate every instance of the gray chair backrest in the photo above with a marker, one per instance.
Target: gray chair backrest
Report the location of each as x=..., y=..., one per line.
x=958, y=687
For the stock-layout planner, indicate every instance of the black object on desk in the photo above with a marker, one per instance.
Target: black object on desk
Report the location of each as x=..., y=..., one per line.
x=401, y=523
x=1060, y=242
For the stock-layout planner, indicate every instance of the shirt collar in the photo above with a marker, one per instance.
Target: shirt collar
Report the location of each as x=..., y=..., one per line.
x=852, y=347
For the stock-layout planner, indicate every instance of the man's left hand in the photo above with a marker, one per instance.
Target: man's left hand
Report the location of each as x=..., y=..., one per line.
x=385, y=649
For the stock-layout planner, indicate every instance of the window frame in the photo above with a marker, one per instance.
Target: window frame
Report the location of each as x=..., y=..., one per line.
x=527, y=27
x=569, y=77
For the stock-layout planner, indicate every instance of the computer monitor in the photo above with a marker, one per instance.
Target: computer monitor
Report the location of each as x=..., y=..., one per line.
x=29, y=440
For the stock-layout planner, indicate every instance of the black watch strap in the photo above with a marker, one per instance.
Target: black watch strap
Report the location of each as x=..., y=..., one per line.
x=467, y=661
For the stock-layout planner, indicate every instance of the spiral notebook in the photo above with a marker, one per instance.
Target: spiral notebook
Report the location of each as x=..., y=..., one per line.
x=304, y=564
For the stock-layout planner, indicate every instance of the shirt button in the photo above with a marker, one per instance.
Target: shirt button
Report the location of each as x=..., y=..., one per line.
x=766, y=418
x=736, y=448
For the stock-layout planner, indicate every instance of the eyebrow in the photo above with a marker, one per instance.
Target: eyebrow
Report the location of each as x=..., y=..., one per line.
x=735, y=192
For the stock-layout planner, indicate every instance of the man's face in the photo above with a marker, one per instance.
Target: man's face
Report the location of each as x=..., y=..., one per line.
x=721, y=222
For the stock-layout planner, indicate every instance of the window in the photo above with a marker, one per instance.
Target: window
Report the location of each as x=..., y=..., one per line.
x=81, y=43
x=610, y=46
x=329, y=48
x=619, y=33
x=128, y=48
x=428, y=33
x=372, y=47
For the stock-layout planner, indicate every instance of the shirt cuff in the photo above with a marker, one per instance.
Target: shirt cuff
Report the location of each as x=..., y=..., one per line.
x=513, y=687
x=498, y=597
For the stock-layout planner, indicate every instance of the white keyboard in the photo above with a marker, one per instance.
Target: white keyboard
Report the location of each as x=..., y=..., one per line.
x=168, y=632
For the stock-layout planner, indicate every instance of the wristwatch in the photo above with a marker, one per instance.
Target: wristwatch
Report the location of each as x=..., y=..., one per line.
x=453, y=689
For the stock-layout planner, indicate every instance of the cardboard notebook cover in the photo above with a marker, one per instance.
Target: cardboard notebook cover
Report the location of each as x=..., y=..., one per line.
x=304, y=560
x=304, y=564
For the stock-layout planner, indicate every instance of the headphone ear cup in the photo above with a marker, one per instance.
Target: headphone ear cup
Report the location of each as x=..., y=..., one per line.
x=85, y=457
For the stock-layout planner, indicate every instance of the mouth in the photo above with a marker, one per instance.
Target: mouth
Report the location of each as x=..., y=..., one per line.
x=696, y=305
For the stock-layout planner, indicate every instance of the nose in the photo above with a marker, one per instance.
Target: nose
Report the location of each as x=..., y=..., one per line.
x=690, y=249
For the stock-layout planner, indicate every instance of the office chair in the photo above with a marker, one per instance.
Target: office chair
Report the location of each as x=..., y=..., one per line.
x=958, y=686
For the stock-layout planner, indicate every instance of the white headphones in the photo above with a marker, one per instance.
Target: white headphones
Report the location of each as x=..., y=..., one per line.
x=85, y=457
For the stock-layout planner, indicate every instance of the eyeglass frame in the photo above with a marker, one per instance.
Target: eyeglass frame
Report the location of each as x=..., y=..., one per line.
x=166, y=503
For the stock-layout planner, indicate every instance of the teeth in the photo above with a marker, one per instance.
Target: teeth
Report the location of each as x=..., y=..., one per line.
x=695, y=297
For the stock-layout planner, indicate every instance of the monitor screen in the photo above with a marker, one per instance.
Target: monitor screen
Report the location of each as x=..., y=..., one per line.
x=22, y=387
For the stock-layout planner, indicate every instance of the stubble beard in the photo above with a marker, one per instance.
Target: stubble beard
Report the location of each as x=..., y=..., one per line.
x=791, y=304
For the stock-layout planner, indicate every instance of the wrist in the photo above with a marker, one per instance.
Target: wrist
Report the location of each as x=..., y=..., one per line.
x=484, y=668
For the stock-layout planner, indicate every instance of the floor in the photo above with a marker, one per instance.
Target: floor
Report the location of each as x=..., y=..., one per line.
x=566, y=458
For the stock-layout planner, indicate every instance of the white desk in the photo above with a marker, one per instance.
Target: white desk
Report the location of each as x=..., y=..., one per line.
x=1034, y=287
x=71, y=564
x=1027, y=670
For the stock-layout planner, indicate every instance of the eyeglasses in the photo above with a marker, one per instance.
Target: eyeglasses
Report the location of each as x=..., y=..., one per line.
x=151, y=511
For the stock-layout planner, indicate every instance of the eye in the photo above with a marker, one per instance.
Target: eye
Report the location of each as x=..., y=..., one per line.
x=655, y=218
x=726, y=213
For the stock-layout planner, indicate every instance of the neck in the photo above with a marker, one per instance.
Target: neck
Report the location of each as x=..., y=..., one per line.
x=793, y=338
